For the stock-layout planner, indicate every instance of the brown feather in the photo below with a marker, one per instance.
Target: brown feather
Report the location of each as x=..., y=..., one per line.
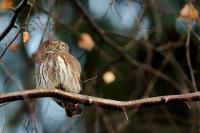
x=59, y=69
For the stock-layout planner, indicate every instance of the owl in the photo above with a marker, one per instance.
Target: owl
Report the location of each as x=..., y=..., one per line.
x=57, y=68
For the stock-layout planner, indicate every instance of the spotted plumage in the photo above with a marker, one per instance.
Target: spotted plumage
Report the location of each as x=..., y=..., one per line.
x=57, y=68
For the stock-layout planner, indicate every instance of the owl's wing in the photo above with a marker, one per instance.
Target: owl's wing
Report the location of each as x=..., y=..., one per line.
x=74, y=63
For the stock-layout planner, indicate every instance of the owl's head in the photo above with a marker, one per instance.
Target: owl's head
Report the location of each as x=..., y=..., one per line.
x=53, y=46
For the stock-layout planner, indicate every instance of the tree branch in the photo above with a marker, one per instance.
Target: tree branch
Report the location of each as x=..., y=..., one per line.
x=101, y=102
x=14, y=18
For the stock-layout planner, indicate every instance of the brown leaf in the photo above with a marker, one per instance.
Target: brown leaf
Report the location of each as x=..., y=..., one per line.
x=36, y=57
x=6, y=4
x=109, y=77
x=13, y=47
x=25, y=37
x=189, y=12
x=86, y=42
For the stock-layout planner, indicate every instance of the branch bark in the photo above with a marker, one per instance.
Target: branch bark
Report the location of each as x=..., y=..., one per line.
x=95, y=101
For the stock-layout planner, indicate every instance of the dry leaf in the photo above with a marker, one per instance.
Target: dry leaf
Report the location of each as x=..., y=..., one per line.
x=6, y=4
x=25, y=37
x=189, y=12
x=36, y=57
x=109, y=77
x=86, y=42
x=13, y=47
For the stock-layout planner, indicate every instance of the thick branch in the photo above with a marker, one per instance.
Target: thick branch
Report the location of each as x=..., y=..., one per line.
x=101, y=102
x=14, y=18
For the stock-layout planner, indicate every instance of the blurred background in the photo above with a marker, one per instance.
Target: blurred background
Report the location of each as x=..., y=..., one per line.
x=128, y=49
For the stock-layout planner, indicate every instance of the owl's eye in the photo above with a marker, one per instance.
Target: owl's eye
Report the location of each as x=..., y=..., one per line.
x=62, y=44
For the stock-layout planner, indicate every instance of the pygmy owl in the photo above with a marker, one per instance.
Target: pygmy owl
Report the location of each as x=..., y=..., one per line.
x=57, y=68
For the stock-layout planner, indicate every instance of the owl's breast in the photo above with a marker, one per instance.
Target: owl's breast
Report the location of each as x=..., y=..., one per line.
x=56, y=72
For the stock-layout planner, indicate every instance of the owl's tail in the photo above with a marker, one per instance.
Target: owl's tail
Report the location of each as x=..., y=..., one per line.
x=72, y=109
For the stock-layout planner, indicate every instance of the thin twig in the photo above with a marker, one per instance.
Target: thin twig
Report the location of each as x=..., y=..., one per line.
x=95, y=101
x=23, y=27
x=89, y=79
x=120, y=50
x=187, y=45
x=14, y=18
x=125, y=114
x=7, y=46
